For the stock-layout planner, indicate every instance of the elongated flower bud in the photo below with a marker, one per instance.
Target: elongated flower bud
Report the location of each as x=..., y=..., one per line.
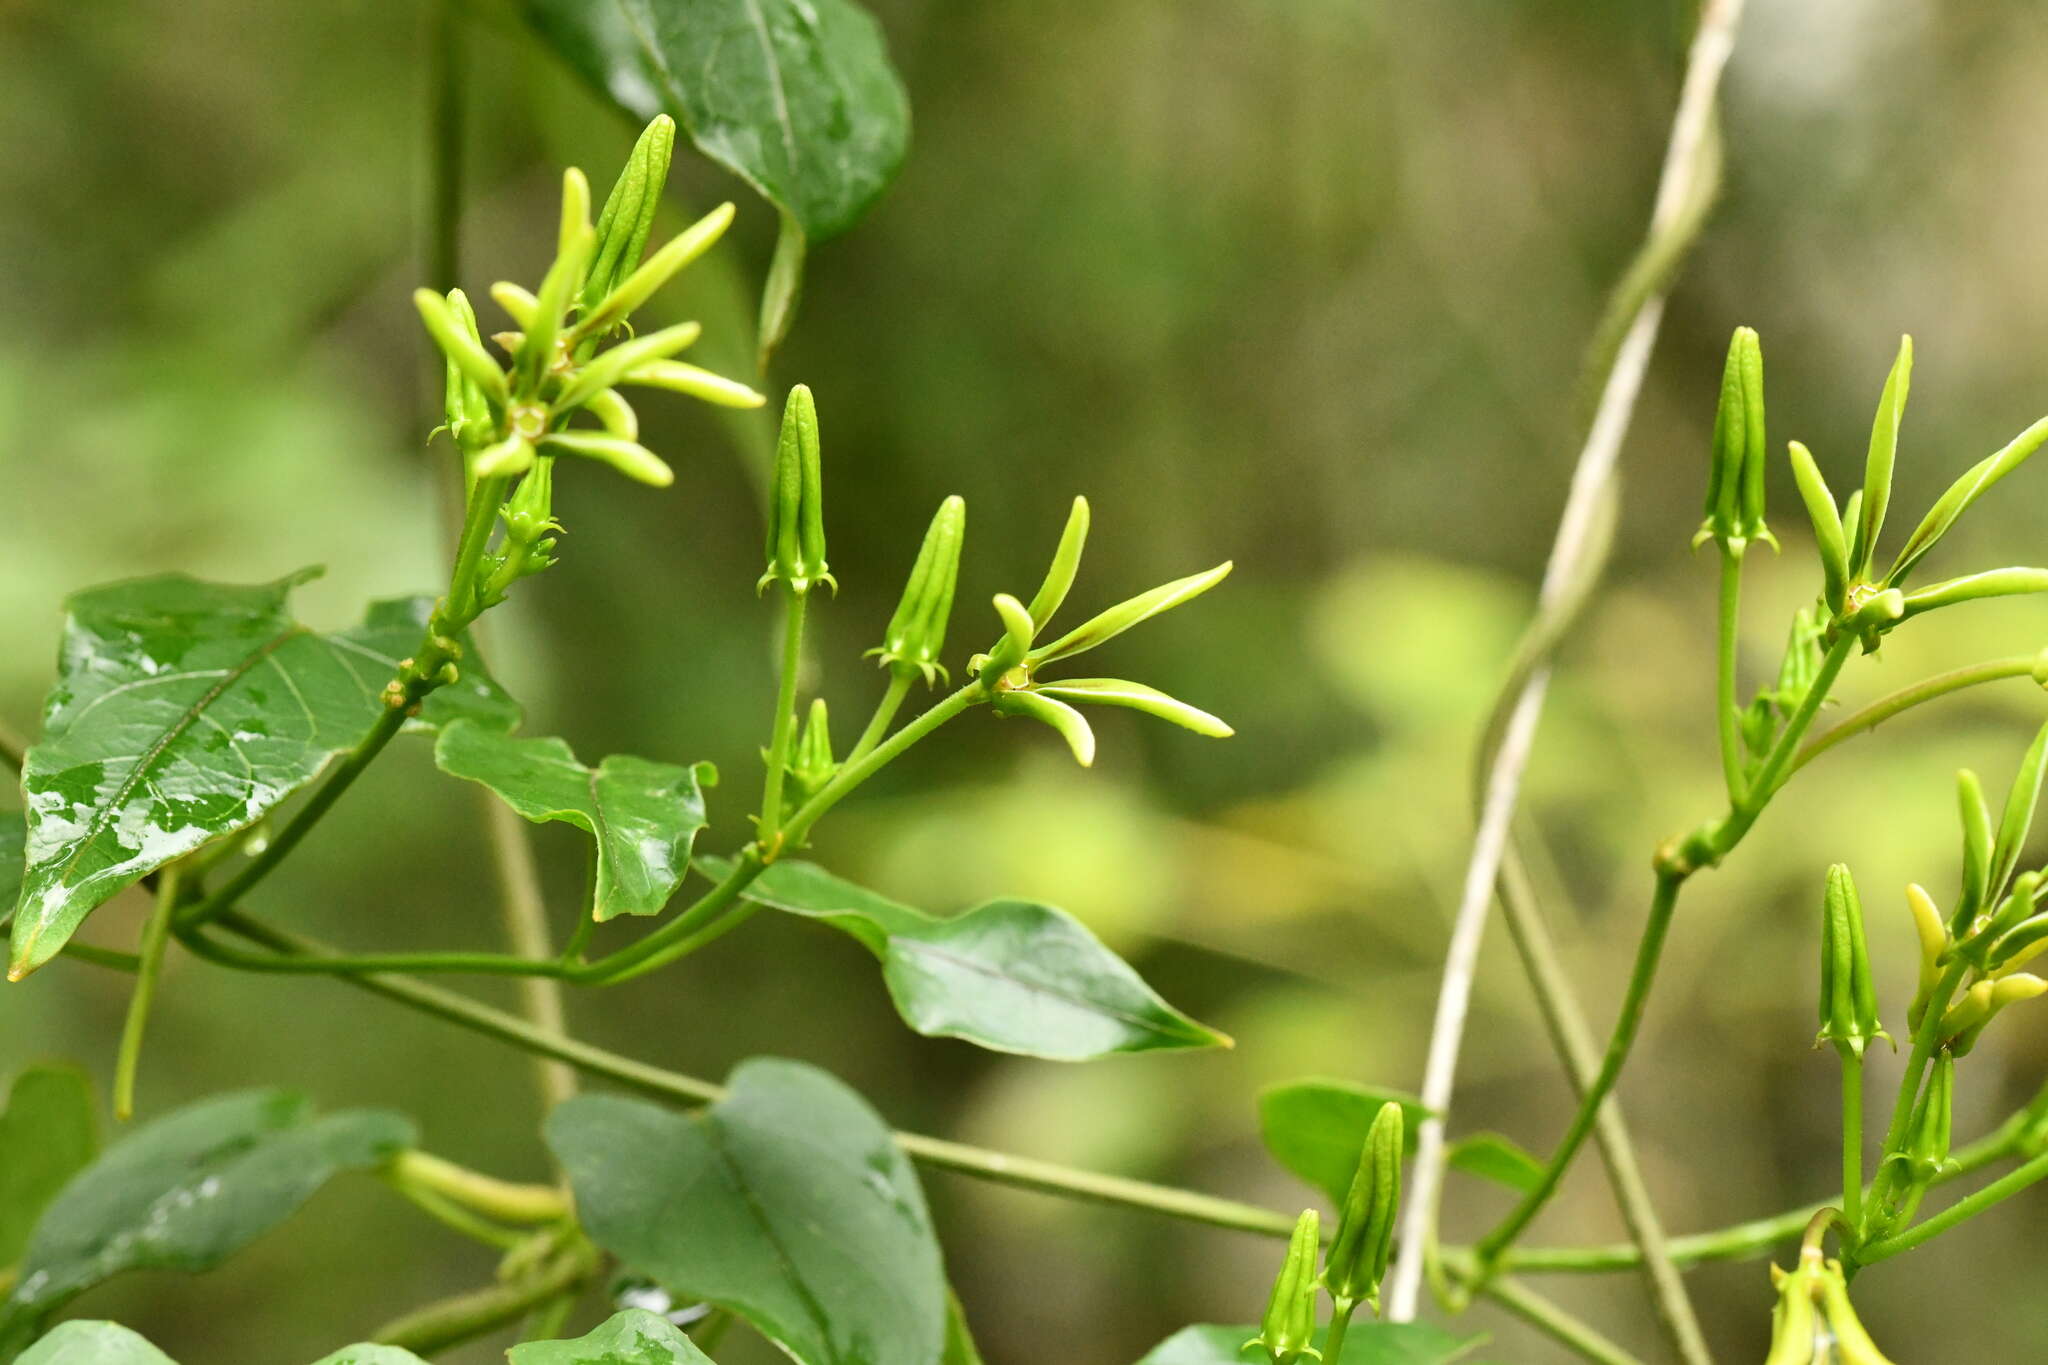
x=1073, y=727
x=1967, y=1019
x=1848, y=999
x=1877, y=470
x=1976, y=852
x=630, y=458
x=618, y=364
x=1991, y=583
x=466, y=413
x=917, y=632
x=1066, y=562
x=459, y=342
x=1131, y=612
x=796, y=501
x=1828, y=535
x=1794, y=1318
x=1138, y=697
x=1365, y=1229
x=627, y=219
x=1853, y=1345
x=1934, y=945
x=686, y=246
x=814, y=765
x=1735, y=480
x=1952, y=504
x=1288, y=1330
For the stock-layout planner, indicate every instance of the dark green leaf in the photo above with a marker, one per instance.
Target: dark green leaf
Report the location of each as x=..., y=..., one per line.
x=644, y=815
x=1493, y=1157
x=787, y=1203
x=184, y=711
x=1316, y=1128
x=47, y=1135
x=796, y=97
x=1369, y=1343
x=93, y=1343
x=634, y=1337
x=1011, y=975
x=190, y=1189
x=366, y=1353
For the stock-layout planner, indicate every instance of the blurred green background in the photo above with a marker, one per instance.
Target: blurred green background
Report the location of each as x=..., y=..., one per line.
x=1298, y=282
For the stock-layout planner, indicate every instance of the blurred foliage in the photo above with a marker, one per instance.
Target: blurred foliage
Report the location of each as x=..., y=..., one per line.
x=1299, y=283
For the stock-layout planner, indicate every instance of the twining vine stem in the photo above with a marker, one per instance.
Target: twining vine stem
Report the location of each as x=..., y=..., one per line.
x=1616, y=366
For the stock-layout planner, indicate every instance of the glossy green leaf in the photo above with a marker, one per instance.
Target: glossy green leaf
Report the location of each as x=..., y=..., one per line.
x=1316, y=1128
x=643, y=815
x=190, y=1189
x=369, y=1353
x=796, y=97
x=1493, y=1157
x=13, y=842
x=92, y=1343
x=48, y=1135
x=787, y=1203
x=184, y=711
x=1369, y=1343
x=634, y=1337
x=1009, y=975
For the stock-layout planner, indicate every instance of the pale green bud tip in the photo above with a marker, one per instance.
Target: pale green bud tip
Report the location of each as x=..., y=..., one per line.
x=1071, y=725
x=1848, y=996
x=1287, y=1332
x=1138, y=697
x=917, y=632
x=796, y=501
x=1066, y=563
x=1134, y=611
x=814, y=765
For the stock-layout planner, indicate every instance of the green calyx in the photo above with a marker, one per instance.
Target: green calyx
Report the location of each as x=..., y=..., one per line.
x=1848, y=997
x=813, y=766
x=1365, y=1228
x=1287, y=1332
x=1932, y=1126
x=1735, y=478
x=916, y=635
x=796, y=502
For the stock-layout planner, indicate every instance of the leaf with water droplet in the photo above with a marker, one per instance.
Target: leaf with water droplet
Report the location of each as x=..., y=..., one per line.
x=634, y=1337
x=1009, y=975
x=787, y=1203
x=184, y=711
x=643, y=815
x=189, y=1190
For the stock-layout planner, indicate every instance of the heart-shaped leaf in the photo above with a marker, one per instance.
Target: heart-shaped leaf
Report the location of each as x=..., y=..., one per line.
x=1316, y=1128
x=634, y=1337
x=47, y=1135
x=1369, y=1343
x=644, y=815
x=787, y=1203
x=1010, y=975
x=1493, y=1157
x=796, y=97
x=92, y=1343
x=184, y=711
x=368, y=1353
x=190, y=1189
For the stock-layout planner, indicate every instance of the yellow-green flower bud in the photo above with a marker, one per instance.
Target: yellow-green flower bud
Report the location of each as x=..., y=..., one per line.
x=1828, y=535
x=1066, y=562
x=1976, y=852
x=1735, y=479
x=796, y=502
x=1967, y=1019
x=1934, y=946
x=1126, y=614
x=917, y=632
x=630, y=458
x=686, y=246
x=1287, y=1333
x=1073, y=727
x=1932, y=1126
x=1877, y=470
x=1365, y=1228
x=1848, y=998
x=460, y=343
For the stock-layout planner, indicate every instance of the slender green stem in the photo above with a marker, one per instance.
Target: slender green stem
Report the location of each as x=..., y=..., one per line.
x=1341, y=1310
x=853, y=774
x=389, y=723
x=885, y=712
x=785, y=718
x=547, y=1322
x=978, y=1162
x=1727, y=712
x=479, y=517
x=504, y=1200
x=1906, y=698
x=1852, y=1138
x=103, y=957
x=356, y=964
x=156, y=937
x=453, y=1216
x=466, y=1316
x=672, y=940
x=523, y=912
x=1488, y=1252
x=1564, y=1019
x=1742, y=1239
x=1539, y=1312
x=1969, y=1206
